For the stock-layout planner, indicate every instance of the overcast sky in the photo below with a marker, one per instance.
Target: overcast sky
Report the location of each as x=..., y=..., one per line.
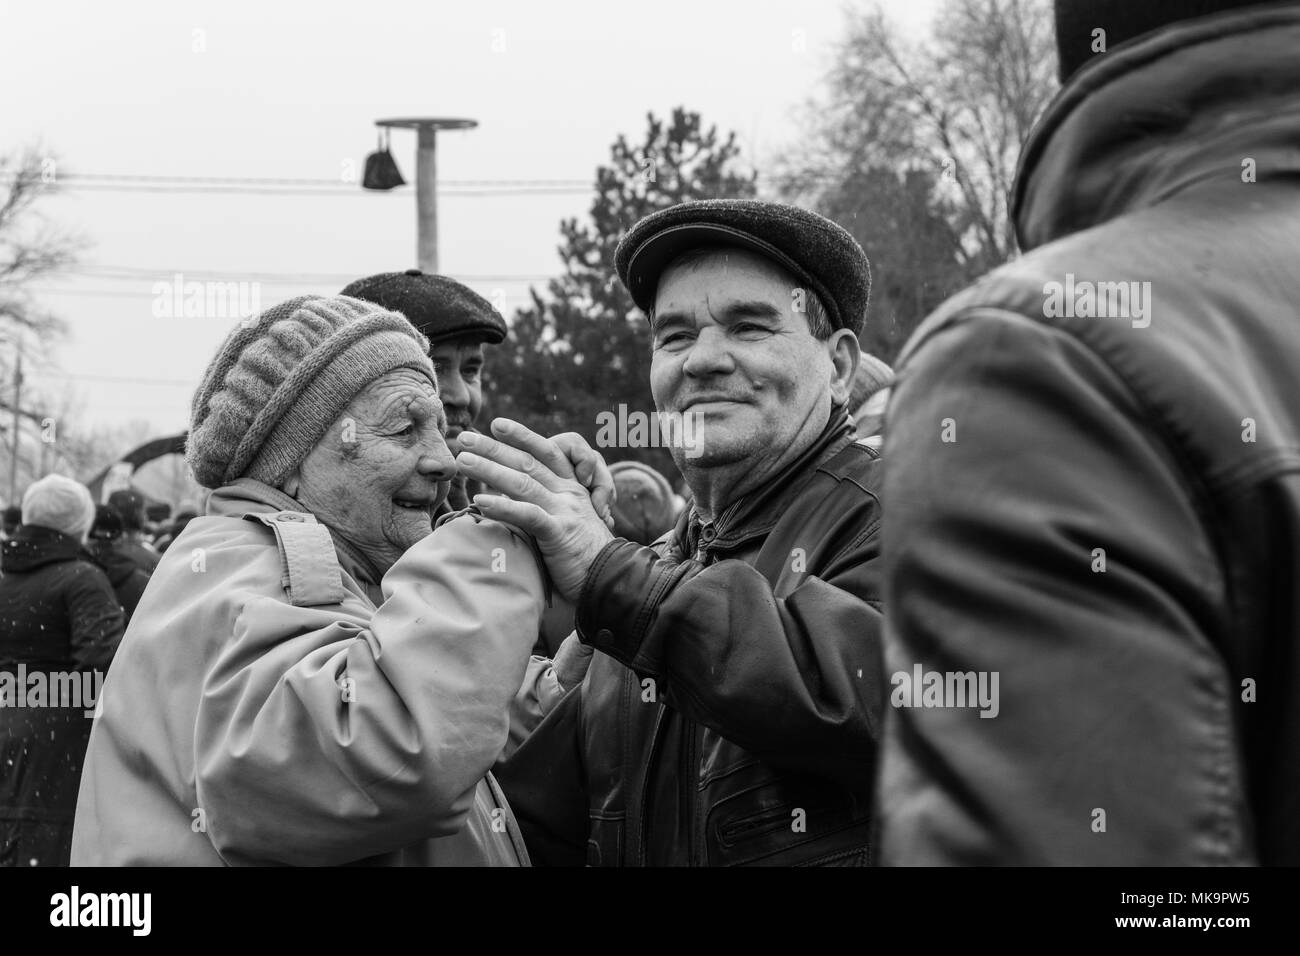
x=286, y=90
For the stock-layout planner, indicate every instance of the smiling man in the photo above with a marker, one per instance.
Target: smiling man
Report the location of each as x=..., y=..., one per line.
x=731, y=716
x=458, y=322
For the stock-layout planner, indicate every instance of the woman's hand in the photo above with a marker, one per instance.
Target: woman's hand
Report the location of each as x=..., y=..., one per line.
x=546, y=481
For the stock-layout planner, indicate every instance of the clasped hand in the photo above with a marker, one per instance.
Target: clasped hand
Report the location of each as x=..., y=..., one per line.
x=557, y=489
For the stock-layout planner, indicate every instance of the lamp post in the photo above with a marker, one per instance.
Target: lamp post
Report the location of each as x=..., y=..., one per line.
x=426, y=181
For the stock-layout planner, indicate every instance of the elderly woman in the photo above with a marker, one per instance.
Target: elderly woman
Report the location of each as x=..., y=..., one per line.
x=59, y=625
x=312, y=677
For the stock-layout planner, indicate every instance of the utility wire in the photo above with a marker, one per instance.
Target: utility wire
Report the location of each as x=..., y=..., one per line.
x=300, y=181
x=304, y=186
x=299, y=186
x=128, y=294
x=117, y=273
x=350, y=191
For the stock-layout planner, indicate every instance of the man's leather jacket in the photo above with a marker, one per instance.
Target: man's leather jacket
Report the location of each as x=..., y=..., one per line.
x=732, y=716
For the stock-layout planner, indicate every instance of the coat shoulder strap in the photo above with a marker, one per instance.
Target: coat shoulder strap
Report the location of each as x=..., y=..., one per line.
x=310, y=569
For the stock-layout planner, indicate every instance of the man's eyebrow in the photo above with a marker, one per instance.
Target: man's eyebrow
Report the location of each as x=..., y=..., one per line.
x=671, y=317
x=750, y=309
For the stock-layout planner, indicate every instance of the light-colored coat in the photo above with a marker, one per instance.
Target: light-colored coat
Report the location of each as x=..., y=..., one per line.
x=270, y=704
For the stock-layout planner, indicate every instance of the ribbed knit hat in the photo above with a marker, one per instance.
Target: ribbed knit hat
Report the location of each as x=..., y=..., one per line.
x=279, y=382
x=1121, y=21
x=60, y=504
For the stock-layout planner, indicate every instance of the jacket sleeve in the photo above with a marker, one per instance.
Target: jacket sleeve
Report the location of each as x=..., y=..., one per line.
x=1041, y=530
x=546, y=681
x=94, y=616
x=545, y=781
x=329, y=734
x=795, y=679
x=537, y=696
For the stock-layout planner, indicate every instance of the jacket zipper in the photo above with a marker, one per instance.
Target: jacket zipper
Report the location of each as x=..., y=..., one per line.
x=645, y=784
x=692, y=730
x=690, y=781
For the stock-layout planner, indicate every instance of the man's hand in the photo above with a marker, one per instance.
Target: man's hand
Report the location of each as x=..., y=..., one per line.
x=546, y=497
x=589, y=468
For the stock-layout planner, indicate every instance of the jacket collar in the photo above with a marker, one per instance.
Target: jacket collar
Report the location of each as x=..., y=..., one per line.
x=34, y=546
x=247, y=496
x=1179, y=110
x=757, y=513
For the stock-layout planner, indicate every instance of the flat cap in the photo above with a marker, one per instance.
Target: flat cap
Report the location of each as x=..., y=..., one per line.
x=815, y=250
x=441, y=308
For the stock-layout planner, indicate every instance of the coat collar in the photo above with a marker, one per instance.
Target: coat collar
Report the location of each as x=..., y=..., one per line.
x=34, y=546
x=248, y=496
x=757, y=513
x=1172, y=113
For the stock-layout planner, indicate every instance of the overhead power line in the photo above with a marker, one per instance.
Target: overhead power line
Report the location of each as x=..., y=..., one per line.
x=310, y=186
x=351, y=191
x=300, y=181
x=133, y=273
x=126, y=380
x=300, y=186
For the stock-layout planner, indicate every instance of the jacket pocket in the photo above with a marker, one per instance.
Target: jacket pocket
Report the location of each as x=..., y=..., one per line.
x=605, y=839
x=775, y=824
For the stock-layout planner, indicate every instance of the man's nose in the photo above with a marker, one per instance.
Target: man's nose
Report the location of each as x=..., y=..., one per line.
x=709, y=354
x=452, y=389
x=437, y=462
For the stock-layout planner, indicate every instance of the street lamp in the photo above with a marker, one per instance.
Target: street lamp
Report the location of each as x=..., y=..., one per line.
x=426, y=181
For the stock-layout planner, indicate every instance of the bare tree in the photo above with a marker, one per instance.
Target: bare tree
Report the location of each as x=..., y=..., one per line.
x=30, y=249
x=944, y=119
x=961, y=105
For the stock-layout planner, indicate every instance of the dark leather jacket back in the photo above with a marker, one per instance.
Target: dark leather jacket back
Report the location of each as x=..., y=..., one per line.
x=1115, y=530
x=743, y=731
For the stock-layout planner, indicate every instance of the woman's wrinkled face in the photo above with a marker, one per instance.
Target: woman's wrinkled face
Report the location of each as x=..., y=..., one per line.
x=381, y=469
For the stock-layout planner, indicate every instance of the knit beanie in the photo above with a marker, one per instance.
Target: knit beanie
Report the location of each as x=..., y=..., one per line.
x=643, y=507
x=279, y=381
x=60, y=504
x=130, y=507
x=1122, y=20
x=108, y=524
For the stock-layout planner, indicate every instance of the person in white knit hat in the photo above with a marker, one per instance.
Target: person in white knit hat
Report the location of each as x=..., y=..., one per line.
x=59, y=622
x=313, y=677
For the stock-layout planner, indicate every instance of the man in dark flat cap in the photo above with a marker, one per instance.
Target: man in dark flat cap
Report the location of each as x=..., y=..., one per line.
x=458, y=322
x=731, y=715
